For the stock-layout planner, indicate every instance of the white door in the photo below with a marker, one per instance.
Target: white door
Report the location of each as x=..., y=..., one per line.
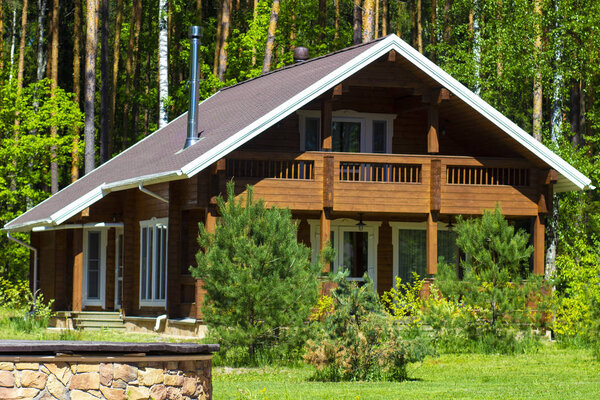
x=94, y=263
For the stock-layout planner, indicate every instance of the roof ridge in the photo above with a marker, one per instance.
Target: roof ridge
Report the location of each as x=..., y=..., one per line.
x=297, y=64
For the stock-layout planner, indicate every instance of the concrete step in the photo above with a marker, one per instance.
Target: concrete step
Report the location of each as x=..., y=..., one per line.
x=97, y=320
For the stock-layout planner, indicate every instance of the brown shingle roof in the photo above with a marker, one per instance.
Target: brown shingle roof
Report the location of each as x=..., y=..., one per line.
x=221, y=116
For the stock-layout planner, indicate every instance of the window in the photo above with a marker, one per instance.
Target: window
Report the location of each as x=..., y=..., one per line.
x=153, y=262
x=410, y=248
x=94, y=247
x=350, y=131
x=346, y=136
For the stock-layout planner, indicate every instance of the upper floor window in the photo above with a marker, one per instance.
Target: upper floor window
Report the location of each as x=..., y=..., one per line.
x=351, y=131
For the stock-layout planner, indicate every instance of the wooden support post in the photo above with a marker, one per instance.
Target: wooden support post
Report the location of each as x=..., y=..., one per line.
x=325, y=232
x=326, y=125
x=77, y=269
x=328, y=179
x=435, y=189
x=433, y=144
x=432, y=253
x=539, y=251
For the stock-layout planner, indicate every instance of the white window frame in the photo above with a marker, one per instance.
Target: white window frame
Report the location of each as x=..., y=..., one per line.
x=153, y=301
x=101, y=301
x=119, y=231
x=366, y=131
x=339, y=226
x=421, y=226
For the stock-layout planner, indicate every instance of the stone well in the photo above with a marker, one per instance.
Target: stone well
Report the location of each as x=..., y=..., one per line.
x=63, y=370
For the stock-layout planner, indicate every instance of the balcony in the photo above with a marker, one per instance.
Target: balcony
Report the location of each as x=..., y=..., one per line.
x=386, y=183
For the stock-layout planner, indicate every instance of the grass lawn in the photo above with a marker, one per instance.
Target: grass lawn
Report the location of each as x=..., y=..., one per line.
x=552, y=373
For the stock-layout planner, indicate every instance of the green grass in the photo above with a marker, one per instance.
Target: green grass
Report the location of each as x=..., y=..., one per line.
x=552, y=373
x=12, y=327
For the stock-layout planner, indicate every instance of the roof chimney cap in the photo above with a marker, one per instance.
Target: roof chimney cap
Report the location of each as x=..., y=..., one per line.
x=195, y=32
x=300, y=54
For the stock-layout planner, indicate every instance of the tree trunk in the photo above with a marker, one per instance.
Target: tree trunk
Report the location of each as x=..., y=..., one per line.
x=477, y=46
x=105, y=81
x=384, y=17
x=163, y=63
x=21, y=65
x=322, y=18
x=336, y=35
x=115, y=74
x=537, y=80
x=357, y=23
x=76, y=85
x=12, y=44
x=1, y=35
x=376, y=30
x=254, y=16
x=218, y=37
x=271, y=37
x=131, y=65
x=53, y=87
x=41, y=61
x=401, y=8
x=198, y=12
x=225, y=22
x=447, y=25
x=419, y=27
x=91, y=43
x=293, y=24
x=433, y=27
x=574, y=114
x=368, y=21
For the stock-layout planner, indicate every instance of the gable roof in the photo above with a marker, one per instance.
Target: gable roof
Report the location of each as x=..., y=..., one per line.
x=236, y=114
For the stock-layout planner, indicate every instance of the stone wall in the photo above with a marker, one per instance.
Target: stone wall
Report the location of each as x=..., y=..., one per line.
x=81, y=380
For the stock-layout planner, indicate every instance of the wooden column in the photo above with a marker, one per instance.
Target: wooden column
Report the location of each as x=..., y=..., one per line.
x=432, y=254
x=77, y=269
x=326, y=125
x=433, y=145
x=175, y=245
x=325, y=235
x=539, y=251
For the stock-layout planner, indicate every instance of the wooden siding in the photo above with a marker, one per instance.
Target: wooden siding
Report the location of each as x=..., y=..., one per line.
x=385, y=257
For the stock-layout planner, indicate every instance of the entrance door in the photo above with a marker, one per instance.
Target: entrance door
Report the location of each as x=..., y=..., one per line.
x=353, y=250
x=94, y=274
x=356, y=249
x=119, y=249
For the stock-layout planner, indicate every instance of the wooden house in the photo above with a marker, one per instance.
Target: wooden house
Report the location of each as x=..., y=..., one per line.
x=373, y=148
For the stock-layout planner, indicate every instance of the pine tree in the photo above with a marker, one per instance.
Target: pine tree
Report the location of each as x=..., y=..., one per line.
x=259, y=281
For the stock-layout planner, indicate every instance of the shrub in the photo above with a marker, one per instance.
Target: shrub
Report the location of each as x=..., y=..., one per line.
x=359, y=341
x=578, y=286
x=23, y=310
x=260, y=285
x=493, y=307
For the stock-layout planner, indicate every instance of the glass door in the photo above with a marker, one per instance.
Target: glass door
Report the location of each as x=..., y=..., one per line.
x=354, y=254
x=94, y=247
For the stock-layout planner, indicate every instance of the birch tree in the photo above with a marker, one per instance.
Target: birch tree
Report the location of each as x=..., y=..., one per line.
x=163, y=63
x=537, y=81
x=41, y=60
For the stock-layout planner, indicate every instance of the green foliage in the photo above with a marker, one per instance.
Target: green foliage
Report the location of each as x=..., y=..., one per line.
x=404, y=301
x=260, y=285
x=359, y=340
x=22, y=310
x=497, y=301
x=26, y=154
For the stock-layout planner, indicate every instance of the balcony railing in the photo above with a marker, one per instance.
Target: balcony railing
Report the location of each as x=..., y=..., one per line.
x=379, y=172
x=496, y=176
x=278, y=169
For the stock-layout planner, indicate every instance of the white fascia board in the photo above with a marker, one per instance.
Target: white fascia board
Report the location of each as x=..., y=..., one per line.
x=80, y=204
x=26, y=227
x=286, y=108
x=578, y=180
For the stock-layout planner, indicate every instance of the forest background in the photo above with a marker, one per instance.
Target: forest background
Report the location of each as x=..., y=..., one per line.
x=80, y=81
